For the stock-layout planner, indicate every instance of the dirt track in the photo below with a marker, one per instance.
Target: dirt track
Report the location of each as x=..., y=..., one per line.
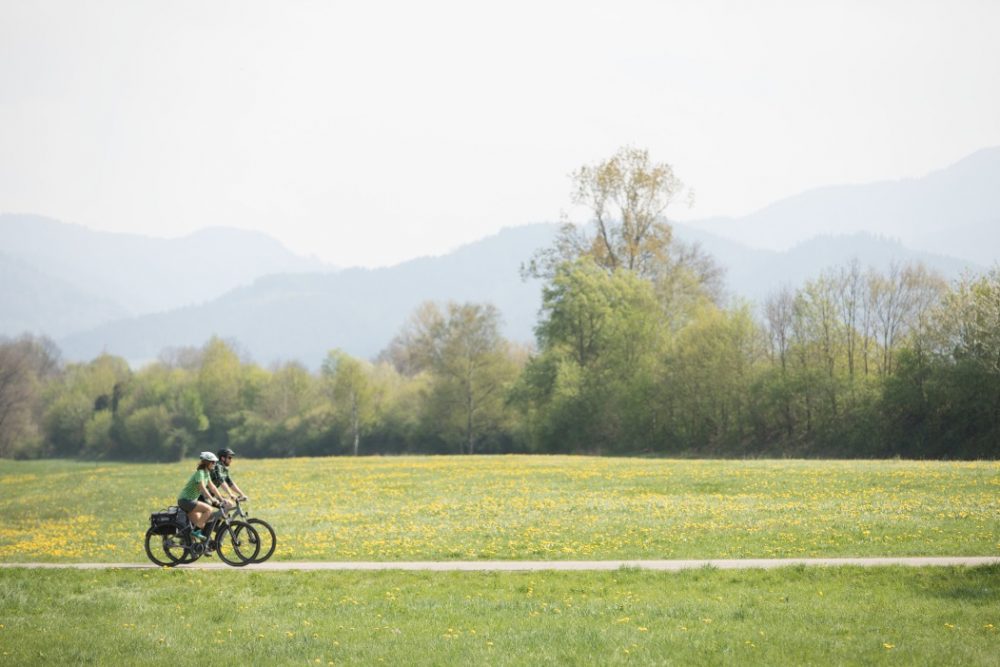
x=514, y=566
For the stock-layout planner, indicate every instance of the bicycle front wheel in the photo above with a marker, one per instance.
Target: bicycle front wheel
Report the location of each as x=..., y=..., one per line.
x=268, y=541
x=237, y=543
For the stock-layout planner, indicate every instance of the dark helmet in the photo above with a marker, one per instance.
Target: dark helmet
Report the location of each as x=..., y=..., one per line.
x=225, y=451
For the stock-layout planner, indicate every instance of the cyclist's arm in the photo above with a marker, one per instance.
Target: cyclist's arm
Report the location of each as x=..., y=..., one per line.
x=205, y=493
x=210, y=487
x=238, y=490
x=228, y=489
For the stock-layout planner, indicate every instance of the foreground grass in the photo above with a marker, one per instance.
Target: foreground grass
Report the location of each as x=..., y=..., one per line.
x=893, y=616
x=525, y=507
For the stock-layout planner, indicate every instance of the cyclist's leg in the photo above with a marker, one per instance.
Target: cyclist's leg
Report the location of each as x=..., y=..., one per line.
x=189, y=507
x=212, y=523
x=200, y=515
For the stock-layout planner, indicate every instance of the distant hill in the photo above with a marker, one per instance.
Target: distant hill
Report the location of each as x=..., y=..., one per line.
x=135, y=296
x=954, y=211
x=129, y=273
x=753, y=273
x=303, y=316
x=31, y=301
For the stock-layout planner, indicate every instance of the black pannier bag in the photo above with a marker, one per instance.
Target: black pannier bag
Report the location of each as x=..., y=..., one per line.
x=168, y=521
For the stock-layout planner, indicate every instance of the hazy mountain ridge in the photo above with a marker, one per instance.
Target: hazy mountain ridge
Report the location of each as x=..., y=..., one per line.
x=303, y=316
x=81, y=286
x=143, y=274
x=754, y=273
x=29, y=298
x=953, y=211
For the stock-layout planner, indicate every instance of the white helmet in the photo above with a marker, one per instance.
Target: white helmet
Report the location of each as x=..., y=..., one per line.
x=209, y=456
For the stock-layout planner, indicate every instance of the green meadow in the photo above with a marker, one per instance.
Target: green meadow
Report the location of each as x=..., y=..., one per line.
x=517, y=507
x=793, y=616
x=524, y=508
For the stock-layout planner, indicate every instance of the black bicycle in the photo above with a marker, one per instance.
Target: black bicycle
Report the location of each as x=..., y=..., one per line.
x=169, y=541
x=263, y=532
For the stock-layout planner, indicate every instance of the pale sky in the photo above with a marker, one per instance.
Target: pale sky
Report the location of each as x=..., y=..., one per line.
x=367, y=133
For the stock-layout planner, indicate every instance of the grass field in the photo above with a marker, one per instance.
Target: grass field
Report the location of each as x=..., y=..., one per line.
x=513, y=508
x=522, y=507
x=795, y=616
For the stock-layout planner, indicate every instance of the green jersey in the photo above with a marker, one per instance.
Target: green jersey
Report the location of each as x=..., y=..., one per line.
x=191, y=490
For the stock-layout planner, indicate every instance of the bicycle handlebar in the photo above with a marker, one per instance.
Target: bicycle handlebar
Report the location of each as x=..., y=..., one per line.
x=237, y=508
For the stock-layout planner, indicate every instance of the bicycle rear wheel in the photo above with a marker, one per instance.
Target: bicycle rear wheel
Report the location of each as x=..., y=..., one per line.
x=178, y=549
x=169, y=550
x=237, y=544
x=156, y=549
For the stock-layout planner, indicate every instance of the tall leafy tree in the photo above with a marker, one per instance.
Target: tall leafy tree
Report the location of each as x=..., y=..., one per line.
x=219, y=384
x=599, y=336
x=902, y=300
x=26, y=364
x=627, y=195
x=350, y=385
x=287, y=391
x=72, y=400
x=470, y=363
x=705, y=390
x=945, y=399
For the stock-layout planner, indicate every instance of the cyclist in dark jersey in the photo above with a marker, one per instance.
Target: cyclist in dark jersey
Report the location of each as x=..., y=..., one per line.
x=220, y=475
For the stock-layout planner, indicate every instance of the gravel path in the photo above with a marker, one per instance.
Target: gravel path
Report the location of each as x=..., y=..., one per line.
x=526, y=565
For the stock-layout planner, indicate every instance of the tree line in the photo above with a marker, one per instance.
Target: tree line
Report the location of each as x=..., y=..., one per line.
x=637, y=352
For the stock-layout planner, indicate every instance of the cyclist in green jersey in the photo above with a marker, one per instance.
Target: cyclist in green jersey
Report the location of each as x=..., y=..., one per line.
x=200, y=484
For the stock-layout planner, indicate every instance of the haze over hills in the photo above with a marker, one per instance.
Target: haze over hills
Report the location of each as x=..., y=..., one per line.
x=301, y=317
x=141, y=274
x=754, y=273
x=953, y=211
x=31, y=300
x=135, y=296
